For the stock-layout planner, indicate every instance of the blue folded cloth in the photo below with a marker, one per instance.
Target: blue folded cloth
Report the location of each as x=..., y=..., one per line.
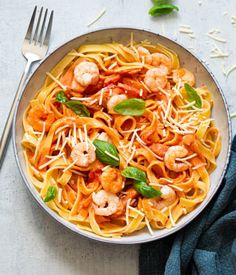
x=207, y=245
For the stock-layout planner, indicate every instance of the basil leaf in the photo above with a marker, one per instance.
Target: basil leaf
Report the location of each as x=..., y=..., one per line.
x=146, y=190
x=106, y=152
x=134, y=173
x=76, y=106
x=193, y=95
x=130, y=107
x=161, y=9
x=61, y=97
x=51, y=193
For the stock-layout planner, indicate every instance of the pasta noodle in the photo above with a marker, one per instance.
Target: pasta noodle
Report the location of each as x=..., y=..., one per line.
x=118, y=139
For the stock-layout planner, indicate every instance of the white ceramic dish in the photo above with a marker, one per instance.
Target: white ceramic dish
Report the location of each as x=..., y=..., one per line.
x=220, y=114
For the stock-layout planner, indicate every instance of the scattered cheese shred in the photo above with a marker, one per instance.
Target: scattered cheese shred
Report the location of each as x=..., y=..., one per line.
x=50, y=161
x=214, y=34
x=104, y=168
x=61, y=128
x=171, y=218
x=233, y=20
x=56, y=80
x=218, y=53
x=59, y=194
x=39, y=142
x=110, y=155
x=69, y=166
x=233, y=115
x=101, y=97
x=148, y=226
x=102, y=12
x=199, y=166
x=86, y=137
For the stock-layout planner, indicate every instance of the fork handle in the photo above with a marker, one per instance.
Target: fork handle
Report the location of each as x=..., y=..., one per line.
x=6, y=130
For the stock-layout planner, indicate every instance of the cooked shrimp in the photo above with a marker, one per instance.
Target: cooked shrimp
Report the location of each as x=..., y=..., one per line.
x=104, y=136
x=112, y=180
x=113, y=101
x=156, y=78
x=168, y=196
x=184, y=75
x=86, y=73
x=159, y=148
x=38, y=116
x=105, y=203
x=160, y=59
x=145, y=55
x=84, y=154
x=172, y=153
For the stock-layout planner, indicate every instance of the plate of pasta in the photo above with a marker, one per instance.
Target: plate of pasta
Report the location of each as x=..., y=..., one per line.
x=122, y=135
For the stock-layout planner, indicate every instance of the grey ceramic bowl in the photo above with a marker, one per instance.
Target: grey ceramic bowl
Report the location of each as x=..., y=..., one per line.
x=220, y=114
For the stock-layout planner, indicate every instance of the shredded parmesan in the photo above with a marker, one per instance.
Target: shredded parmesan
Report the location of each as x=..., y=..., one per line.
x=171, y=218
x=233, y=20
x=214, y=34
x=59, y=194
x=80, y=135
x=141, y=92
x=176, y=187
x=132, y=155
x=109, y=57
x=69, y=166
x=136, y=210
x=127, y=211
x=39, y=142
x=199, y=166
x=186, y=158
x=104, y=168
x=61, y=128
x=50, y=161
x=112, y=66
x=233, y=115
x=56, y=80
x=148, y=226
x=86, y=137
x=110, y=155
x=230, y=70
x=80, y=98
x=101, y=97
x=218, y=53
x=97, y=18
x=145, y=86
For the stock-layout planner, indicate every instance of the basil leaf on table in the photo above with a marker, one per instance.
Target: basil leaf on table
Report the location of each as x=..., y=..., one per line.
x=162, y=8
x=51, y=194
x=76, y=106
x=106, y=152
x=146, y=190
x=130, y=107
x=134, y=173
x=193, y=95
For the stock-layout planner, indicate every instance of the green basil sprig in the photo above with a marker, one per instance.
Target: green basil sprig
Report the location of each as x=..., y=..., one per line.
x=106, y=152
x=51, y=194
x=162, y=7
x=146, y=190
x=130, y=107
x=134, y=173
x=76, y=106
x=140, y=184
x=193, y=95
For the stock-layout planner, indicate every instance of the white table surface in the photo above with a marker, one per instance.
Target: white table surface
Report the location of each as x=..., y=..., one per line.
x=30, y=241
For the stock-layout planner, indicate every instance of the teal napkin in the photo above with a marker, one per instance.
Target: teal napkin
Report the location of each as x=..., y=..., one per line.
x=207, y=245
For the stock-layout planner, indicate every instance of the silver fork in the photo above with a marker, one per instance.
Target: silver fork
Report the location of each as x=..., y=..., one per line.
x=35, y=47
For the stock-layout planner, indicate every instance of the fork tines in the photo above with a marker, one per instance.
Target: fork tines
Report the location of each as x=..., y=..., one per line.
x=39, y=35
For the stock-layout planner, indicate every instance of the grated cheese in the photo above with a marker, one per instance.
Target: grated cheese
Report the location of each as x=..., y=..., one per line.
x=127, y=211
x=80, y=135
x=233, y=20
x=56, y=81
x=59, y=194
x=104, y=168
x=214, y=34
x=176, y=187
x=64, y=158
x=131, y=156
x=80, y=98
x=74, y=135
x=110, y=92
x=141, y=92
x=164, y=209
x=70, y=165
x=136, y=210
x=109, y=57
x=112, y=66
x=61, y=128
x=86, y=137
x=171, y=218
x=149, y=150
x=132, y=140
x=186, y=158
x=50, y=161
x=101, y=97
x=233, y=115
x=218, y=53
x=39, y=142
x=199, y=166
x=63, y=145
x=145, y=86
x=230, y=70
x=131, y=39
x=148, y=226
x=110, y=155
x=97, y=18
x=168, y=180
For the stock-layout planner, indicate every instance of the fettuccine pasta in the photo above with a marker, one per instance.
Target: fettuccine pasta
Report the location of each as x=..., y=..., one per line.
x=119, y=138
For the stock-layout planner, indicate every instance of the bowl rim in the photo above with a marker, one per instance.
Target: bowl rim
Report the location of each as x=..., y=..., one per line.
x=122, y=240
